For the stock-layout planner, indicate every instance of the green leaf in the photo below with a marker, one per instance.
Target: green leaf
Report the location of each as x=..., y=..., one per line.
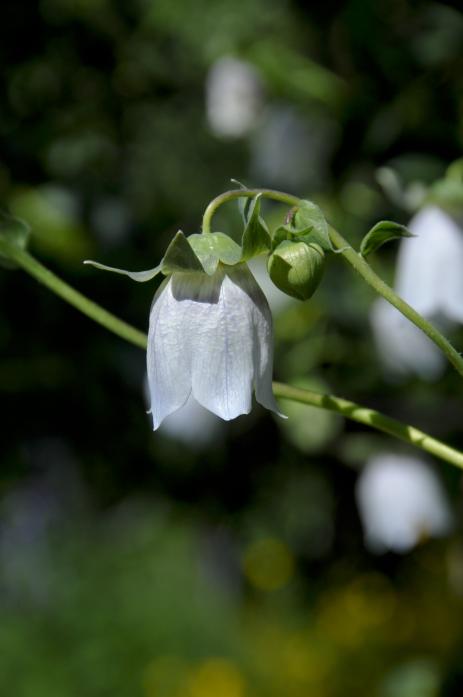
x=15, y=233
x=214, y=248
x=256, y=237
x=201, y=253
x=310, y=225
x=180, y=256
x=139, y=276
x=382, y=232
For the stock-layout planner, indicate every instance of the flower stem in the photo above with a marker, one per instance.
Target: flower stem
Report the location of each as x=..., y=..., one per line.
x=355, y=260
x=367, y=273
x=72, y=296
x=244, y=193
x=353, y=411
x=373, y=418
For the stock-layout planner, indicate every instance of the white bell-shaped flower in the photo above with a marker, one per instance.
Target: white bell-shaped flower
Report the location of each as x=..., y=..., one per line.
x=402, y=347
x=233, y=97
x=400, y=501
x=430, y=267
x=210, y=335
x=429, y=277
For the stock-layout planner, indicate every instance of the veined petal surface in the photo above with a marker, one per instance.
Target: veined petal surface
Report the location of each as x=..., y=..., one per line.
x=262, y=338
x=168, y=360
x=220, y=336
x=211, y=334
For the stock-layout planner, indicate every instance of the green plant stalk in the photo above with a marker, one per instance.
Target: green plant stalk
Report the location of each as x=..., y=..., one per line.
x=369, y=417
x=73, y=297
x=373, y=418
x=355, y=260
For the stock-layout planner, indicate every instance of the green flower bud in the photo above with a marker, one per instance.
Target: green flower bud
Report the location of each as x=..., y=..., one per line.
x=296, y=268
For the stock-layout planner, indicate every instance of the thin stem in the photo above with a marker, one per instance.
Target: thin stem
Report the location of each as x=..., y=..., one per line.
x=373, y=418
x=367, y=273
x=244, y=193
x=356, y=261
x=369, y=417
x=72, y=296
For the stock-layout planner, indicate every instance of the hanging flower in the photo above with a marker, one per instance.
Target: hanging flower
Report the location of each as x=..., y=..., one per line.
x=429, y=268
x=210, y=336
x=400, y=502
x=429, y=277
x=210, y=330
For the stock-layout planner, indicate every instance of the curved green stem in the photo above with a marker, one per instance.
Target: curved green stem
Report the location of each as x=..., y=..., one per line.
x=369, y=417
x=355, y=260
x=72, y=296
x=367, y=273
x=373, y=418
x=244, y=193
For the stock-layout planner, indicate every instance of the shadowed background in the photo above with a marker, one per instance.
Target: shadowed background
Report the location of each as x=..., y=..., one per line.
x=215, y=559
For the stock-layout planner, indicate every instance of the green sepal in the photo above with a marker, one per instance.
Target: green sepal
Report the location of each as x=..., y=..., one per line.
x=256, y=237
x=201, y=253
x=179, y=256
x=15, y=233
x=308, y=224
x=382, y=232
x=213, y=248
x=296, y=268
x=139, y=276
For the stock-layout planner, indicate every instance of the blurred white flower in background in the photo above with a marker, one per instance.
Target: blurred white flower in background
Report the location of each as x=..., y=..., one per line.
x=400, y=502
x=291, y=150
x=233, y=97
x=402, y=347
x=429, y=277
x=430, y=267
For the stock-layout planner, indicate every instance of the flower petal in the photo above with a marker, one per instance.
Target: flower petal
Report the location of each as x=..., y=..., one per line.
x=262, y=339
x=168, y=360
x=220, y=329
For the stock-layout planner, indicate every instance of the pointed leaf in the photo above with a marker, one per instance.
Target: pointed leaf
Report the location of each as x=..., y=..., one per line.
x=256, y=237
x=139, y=276
x=15, y=233
x=382, y=232
x=243, y=202
x=311, y=226
x=214, y=248
x=180, y=256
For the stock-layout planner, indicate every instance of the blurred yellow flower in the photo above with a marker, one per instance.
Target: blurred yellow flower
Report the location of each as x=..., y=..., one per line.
x=268, y=564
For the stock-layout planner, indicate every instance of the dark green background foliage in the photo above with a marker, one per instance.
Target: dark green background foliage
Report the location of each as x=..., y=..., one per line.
x=132, y=564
